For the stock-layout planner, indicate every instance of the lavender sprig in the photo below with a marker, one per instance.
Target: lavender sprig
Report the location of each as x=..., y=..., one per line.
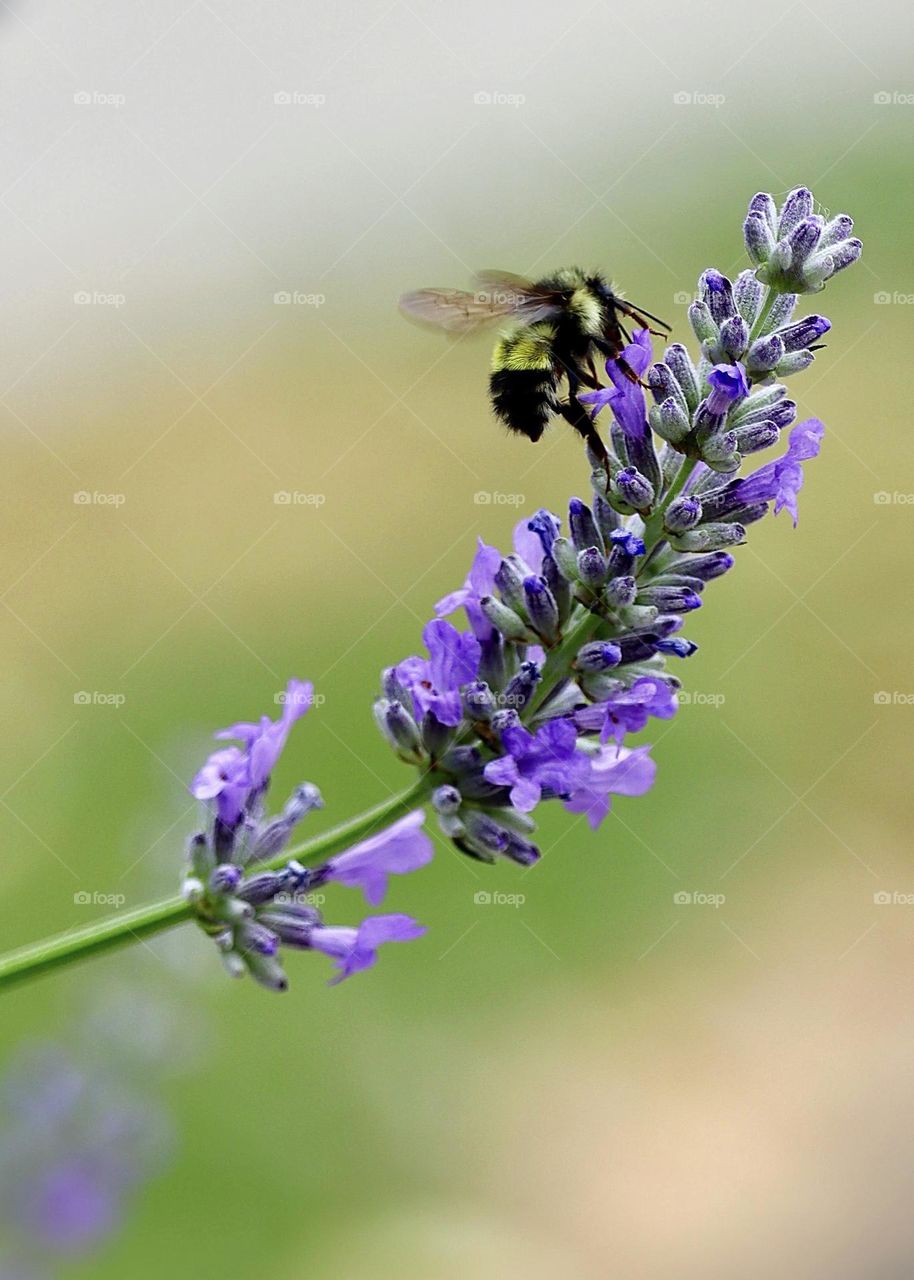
x=570, y=633
x=568, y=642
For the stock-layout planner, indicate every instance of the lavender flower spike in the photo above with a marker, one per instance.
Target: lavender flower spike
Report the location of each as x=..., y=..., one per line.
x=251, y=912
x=570, y=635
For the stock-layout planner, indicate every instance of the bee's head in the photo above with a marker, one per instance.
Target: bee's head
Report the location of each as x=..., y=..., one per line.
x=601, y=288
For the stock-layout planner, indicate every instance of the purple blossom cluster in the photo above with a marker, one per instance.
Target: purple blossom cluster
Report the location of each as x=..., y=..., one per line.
x=570, y=633
x=251, y=910
x=568, y=636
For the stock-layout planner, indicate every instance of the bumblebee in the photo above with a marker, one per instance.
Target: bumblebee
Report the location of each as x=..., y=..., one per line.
x=566, y=321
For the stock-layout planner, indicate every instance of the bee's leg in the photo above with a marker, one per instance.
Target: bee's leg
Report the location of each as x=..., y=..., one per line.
x=576, y=414
x=626, y=368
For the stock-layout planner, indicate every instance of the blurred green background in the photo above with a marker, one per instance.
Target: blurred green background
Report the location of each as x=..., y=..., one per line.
x=599, y=1081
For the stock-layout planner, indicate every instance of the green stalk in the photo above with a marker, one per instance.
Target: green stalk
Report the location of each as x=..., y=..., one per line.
x=121, y=930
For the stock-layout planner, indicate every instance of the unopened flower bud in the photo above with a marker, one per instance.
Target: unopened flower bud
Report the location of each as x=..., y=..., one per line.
x=598, y=655
x=621, y=591
x=632, y=489
x=505, y=620
x=584, y=531
x=710, y=537
x=592, y=568
x=542, y=609
x=400, y=729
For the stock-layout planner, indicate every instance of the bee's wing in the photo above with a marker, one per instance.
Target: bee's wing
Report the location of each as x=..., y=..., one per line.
x=499, y=296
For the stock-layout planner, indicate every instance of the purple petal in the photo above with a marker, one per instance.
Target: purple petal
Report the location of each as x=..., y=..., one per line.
x=356, y=949
x=454, y=655
x=401, y=848
x=621, y=772
x=526, y=794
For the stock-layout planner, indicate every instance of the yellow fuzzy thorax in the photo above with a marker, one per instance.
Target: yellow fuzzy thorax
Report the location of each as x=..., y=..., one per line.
x=527, y=348
x=587, y=309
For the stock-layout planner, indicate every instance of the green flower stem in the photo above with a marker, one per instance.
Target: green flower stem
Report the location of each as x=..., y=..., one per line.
x=771, y=297
x=133, y=926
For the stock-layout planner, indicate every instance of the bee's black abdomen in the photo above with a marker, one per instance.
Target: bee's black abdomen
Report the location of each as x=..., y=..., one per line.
x=524, y=379
x=524, y=399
